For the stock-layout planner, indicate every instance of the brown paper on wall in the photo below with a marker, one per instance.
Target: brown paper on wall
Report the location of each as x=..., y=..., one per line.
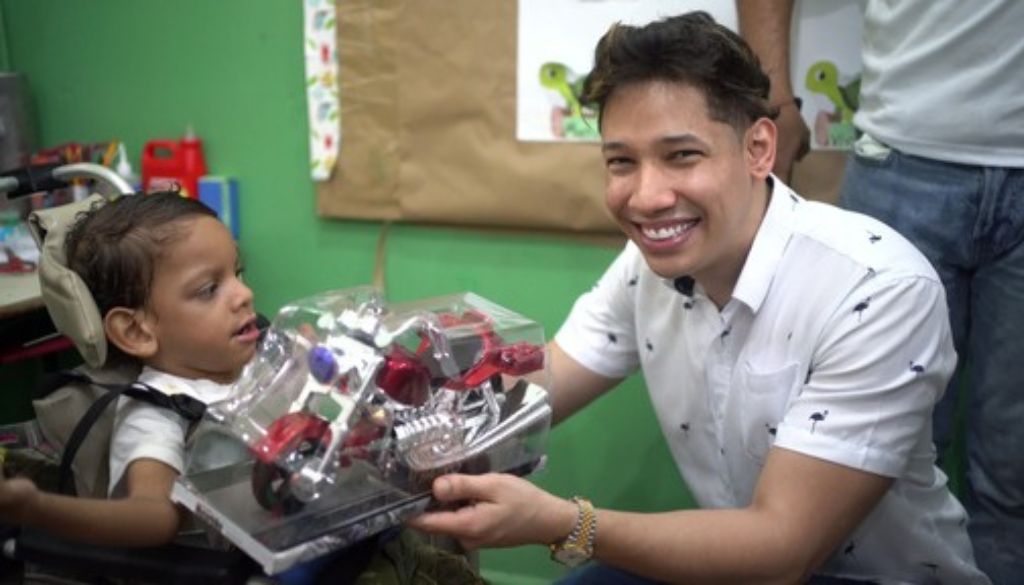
x=428, y=124
x=428, y=93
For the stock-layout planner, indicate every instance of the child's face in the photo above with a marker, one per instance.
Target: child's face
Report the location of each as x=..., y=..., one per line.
x=199, y=311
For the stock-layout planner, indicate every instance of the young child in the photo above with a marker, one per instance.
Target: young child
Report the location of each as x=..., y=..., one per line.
x=166, y=278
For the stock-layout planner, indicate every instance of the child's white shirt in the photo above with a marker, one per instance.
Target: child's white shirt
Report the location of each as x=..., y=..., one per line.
x=144, y=431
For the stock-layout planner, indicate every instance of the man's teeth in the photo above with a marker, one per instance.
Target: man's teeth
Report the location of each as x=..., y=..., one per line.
x=664, y=233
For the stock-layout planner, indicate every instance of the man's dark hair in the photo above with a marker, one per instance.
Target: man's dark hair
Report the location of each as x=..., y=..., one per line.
x=114, y=246
x=692, y=49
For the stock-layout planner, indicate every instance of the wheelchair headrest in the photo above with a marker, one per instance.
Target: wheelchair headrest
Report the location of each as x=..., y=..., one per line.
x=67, y=298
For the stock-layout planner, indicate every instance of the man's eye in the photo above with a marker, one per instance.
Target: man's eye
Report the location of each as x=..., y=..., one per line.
x=617, y=162
x=683, y=154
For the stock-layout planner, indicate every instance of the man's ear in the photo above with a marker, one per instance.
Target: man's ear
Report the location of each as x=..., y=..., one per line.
x=130, y=331
x=760, y=147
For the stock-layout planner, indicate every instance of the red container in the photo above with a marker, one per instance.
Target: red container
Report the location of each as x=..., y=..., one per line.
x=173, y=162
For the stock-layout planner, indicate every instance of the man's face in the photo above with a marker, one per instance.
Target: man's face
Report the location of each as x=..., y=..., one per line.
x=687, y=189
x=199, y=310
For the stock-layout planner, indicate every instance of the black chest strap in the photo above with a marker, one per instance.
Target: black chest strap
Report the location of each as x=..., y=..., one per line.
x=189, y=408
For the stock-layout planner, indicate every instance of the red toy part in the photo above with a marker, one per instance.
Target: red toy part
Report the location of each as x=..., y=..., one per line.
x=495, y=358
x=287, y=434
x=515, y=359
x=404, y=378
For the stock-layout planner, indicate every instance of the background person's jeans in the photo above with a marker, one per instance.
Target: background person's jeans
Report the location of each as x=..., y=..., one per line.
x=969, y=221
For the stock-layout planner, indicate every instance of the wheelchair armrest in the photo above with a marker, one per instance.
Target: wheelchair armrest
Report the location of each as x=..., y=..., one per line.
x=172, y=563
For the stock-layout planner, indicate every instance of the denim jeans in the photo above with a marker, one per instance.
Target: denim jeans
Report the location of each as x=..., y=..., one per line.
x=969, y=221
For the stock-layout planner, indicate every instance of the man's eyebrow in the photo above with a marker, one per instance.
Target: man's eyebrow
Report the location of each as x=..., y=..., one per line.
x=670, y=140
x=681, y=139
x=612, y=146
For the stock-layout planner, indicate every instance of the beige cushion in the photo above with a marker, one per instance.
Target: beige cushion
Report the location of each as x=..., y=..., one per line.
x=67, y=299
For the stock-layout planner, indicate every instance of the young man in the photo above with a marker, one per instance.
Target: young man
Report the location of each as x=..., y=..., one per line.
x=793, y=351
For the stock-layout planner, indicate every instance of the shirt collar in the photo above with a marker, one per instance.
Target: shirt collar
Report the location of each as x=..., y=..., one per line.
x=765, y=252
x=207, y=391
x=768, y=245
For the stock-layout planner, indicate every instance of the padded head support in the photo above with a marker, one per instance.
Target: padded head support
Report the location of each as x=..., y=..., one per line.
x=67, y=299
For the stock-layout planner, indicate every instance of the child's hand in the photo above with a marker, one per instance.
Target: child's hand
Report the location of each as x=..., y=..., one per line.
x=16, y=498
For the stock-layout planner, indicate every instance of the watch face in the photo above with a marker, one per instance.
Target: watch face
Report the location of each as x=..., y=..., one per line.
x=571, y=556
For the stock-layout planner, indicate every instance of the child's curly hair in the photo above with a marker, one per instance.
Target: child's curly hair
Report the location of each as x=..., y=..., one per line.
x=114, y=246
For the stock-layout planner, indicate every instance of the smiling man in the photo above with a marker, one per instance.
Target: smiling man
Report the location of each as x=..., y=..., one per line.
x=793, y=352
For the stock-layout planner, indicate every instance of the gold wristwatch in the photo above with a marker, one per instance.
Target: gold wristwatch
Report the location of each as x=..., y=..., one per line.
x=578, y=547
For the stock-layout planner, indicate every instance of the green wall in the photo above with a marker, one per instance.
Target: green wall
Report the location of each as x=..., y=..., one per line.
x=137, y=70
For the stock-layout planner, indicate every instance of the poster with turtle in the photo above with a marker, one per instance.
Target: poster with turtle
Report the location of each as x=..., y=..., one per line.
x=556, y=39
x=825, y=67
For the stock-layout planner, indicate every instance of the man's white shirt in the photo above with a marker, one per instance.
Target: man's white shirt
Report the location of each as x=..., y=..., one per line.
x=835, y=344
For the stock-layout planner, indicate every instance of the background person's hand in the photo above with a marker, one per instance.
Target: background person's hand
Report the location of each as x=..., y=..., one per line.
x=497, y=510
x=794, y=140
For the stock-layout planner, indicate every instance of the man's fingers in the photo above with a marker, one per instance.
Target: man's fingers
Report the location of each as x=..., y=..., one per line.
x=455, y=487
x=436, y=522
x=467, y=524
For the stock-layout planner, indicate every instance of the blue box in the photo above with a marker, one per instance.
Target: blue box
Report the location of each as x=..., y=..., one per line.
x=221, y=195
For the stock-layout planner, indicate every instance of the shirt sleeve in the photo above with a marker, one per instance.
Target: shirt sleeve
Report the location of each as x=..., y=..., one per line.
x=600, y=332
x=885, y=359
x=144, y=431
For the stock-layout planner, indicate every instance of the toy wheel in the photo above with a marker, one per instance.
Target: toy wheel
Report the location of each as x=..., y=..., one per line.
x=271, y=483
x=270, y=487
x=290, y=441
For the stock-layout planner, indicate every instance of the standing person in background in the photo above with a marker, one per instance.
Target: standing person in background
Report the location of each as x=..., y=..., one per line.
x=941, y=160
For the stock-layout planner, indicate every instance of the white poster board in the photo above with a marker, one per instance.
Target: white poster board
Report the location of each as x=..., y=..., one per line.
x=555, y=49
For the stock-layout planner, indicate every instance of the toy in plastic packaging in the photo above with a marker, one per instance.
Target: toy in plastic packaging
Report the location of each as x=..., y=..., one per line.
x=350, y=409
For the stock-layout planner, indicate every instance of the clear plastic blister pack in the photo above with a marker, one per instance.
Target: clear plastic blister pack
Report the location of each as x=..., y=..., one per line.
x=350, y=409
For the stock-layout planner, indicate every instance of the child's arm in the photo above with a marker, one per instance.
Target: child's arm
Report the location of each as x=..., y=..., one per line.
x=146, y=517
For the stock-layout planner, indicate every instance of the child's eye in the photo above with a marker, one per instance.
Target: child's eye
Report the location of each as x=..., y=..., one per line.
x=240, y=272
x=207, y=290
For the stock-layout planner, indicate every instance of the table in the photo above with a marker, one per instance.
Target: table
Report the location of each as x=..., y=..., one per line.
x=26, y=330
x=19, y=294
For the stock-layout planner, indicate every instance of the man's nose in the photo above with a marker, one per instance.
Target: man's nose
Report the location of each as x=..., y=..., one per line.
x=653, y=190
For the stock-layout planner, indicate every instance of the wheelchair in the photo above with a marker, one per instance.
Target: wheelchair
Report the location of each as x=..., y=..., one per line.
x=74, y=315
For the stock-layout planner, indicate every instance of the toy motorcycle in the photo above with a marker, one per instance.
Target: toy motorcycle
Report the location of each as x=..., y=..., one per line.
x=400, y=396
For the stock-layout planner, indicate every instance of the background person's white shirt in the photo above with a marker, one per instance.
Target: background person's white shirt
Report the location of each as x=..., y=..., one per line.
x=943, y=79
x=835, y=344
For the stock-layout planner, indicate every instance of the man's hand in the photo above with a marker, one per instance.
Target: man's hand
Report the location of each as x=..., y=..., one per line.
x=497, y=510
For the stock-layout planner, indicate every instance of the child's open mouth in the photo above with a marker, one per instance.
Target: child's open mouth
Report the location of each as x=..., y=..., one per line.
x=248, y=333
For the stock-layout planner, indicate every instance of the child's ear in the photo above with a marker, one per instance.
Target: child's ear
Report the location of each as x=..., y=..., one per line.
x=130, y=331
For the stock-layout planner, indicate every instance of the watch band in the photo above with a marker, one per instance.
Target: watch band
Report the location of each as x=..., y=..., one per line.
x=578, y=547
